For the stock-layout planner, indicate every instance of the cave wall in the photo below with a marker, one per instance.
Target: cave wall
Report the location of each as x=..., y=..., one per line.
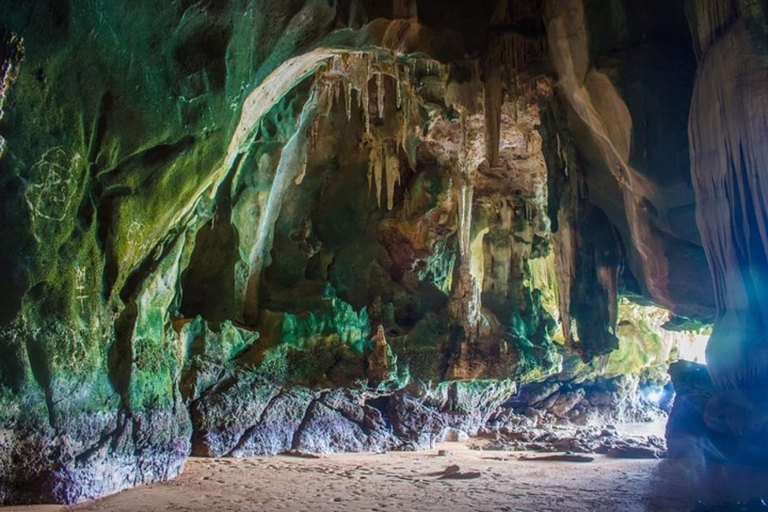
x=631, y=134
x=728, y=156
x=118, y=121
x=718, y=414
x=237, y=228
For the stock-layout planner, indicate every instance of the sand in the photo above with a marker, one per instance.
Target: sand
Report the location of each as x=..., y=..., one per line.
x=399, y=481
x=413, y=481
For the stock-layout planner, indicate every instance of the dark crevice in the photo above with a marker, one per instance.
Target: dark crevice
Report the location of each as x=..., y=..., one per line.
x=296, y=442
x=89, y=202
x=41, y=371
x=248, y=434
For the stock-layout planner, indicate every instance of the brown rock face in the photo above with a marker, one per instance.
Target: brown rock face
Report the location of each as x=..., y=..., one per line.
x=614, y=120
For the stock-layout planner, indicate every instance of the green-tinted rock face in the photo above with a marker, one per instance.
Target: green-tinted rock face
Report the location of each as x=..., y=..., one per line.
x=237, y=228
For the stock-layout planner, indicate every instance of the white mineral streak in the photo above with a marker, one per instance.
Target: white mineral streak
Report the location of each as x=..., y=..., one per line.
x=255, y=106
x=293, y=161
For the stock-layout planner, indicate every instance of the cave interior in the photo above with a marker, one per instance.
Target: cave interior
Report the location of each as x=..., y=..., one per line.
x=245, y=228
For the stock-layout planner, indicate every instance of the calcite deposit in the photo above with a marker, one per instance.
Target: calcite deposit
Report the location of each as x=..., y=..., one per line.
x=248, y=228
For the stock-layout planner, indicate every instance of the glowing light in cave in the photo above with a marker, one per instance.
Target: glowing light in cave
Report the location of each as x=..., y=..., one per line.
x=692, y=347
x=653, y=394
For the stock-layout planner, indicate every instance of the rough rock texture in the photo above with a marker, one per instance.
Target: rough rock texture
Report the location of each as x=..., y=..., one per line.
x=630, y=131
x=729, y=155
x=266, y=226
x=724, y=418
x=522, y=433
x=264, y=420
x=711, y=425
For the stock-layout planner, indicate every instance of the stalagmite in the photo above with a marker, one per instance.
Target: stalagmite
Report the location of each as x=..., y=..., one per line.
x=381, y=363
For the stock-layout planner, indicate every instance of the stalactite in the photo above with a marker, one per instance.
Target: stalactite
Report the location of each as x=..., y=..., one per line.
x=366, y=96
x=348, y=100
x=383, y=166
x=464, y=94
x=380, y=94
x=492, y=106
x=336, y=92
x=403, y=130
x=376, y=170
x=506, y=55
x=393, y=174
x=348, y=72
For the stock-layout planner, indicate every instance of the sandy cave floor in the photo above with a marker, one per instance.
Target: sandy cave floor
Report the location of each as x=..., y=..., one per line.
x=405, y=481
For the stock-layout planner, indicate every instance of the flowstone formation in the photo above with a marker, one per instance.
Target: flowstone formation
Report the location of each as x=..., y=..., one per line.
x=247, y=228
x=722, y=418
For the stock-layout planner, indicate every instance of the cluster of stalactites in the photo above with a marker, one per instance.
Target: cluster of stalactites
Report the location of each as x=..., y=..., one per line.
x=505, y=58
x=465, y=96
x=384, y=166
x=366, y=77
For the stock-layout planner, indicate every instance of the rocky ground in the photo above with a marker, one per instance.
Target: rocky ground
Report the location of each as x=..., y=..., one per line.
x=607, y=441
x=574, y=418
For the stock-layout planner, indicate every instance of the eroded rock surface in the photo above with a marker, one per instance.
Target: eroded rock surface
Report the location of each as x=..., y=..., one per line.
x=247, y=228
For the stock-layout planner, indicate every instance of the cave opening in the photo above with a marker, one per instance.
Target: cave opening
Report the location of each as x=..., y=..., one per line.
x=350, y=255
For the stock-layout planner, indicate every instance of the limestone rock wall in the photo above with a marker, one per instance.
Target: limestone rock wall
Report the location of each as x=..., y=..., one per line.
x=727, y=125
x=234, y=228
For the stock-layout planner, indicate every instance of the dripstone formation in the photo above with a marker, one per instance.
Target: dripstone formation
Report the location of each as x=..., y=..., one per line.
x=246, y=228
